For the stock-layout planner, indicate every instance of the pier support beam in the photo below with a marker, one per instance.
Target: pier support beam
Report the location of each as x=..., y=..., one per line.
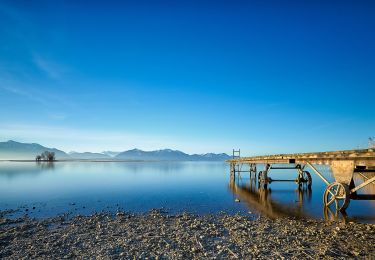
x=263, y=176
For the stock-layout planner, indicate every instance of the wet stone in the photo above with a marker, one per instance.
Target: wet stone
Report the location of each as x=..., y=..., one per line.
x=157, y=235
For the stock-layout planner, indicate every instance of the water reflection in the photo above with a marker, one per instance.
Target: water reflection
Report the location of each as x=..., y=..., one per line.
x=198, y=187
x=45, y=165
x=288, y=199
x=262, y=199
x=334, y=215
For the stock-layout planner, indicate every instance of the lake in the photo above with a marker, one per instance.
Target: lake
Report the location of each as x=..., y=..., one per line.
x=48, y=189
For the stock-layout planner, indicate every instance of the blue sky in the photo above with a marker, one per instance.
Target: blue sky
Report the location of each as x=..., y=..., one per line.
x=198, y=76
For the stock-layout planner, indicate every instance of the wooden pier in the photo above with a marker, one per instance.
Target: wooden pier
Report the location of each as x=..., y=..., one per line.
x=343, y=164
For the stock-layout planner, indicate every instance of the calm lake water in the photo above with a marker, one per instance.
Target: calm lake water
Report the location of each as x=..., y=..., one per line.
x=198, y=187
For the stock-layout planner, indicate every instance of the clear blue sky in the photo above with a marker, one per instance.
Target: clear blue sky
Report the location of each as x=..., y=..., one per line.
x=198, y=76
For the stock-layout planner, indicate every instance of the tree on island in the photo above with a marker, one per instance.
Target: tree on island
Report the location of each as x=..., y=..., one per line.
x=46, y=156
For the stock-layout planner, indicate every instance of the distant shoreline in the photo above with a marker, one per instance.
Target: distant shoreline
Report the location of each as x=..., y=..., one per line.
x=101, y=160
x=12, y=151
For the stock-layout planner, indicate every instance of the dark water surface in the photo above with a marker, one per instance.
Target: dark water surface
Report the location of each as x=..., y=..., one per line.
x=198, y=187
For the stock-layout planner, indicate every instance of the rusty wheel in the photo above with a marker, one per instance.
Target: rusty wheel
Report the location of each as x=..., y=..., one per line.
x=337, y=194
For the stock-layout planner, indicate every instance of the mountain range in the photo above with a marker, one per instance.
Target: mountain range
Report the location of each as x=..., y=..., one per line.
x=12, y=150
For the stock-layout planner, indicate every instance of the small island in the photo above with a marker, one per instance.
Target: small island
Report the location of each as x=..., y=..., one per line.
x=46, y=156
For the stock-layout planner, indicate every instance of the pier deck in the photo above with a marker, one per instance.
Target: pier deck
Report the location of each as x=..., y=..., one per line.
x=343, y=164
x=365, y=157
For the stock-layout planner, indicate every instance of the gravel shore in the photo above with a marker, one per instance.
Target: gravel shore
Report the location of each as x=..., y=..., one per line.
x=158, y=235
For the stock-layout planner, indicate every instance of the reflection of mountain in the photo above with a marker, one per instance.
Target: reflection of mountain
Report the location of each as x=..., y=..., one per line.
x=261, y=200
x=15, y=170
x=15, y=150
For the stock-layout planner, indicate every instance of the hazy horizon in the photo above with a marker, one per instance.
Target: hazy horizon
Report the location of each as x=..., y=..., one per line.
x=194, y=76
x=101, y=152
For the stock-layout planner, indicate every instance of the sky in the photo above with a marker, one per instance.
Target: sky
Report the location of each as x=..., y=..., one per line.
x=198, y=76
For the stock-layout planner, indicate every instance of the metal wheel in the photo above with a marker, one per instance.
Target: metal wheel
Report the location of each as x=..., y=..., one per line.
x=337, y=194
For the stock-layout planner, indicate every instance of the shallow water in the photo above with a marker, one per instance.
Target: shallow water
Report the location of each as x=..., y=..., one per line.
x=198, y=187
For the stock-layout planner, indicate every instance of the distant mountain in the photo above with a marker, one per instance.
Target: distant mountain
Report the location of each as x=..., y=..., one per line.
x=111, y=153
x=169, y=155
x=15, y=150
x=210, y=157
x=89, y=156
x=159, y=155
x=12, y=150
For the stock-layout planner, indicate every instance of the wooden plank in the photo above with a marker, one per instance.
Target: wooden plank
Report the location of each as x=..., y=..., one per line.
x=357, y=155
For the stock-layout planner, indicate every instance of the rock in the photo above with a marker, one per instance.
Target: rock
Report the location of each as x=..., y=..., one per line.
x=186, y=236
x=355, y=253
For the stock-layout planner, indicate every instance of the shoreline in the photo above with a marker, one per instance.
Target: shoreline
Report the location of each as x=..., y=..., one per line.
x=100, y=160
x=159, y=235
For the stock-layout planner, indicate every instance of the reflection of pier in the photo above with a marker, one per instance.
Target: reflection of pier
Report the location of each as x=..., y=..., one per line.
x=342, y=163
x=261, y=199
